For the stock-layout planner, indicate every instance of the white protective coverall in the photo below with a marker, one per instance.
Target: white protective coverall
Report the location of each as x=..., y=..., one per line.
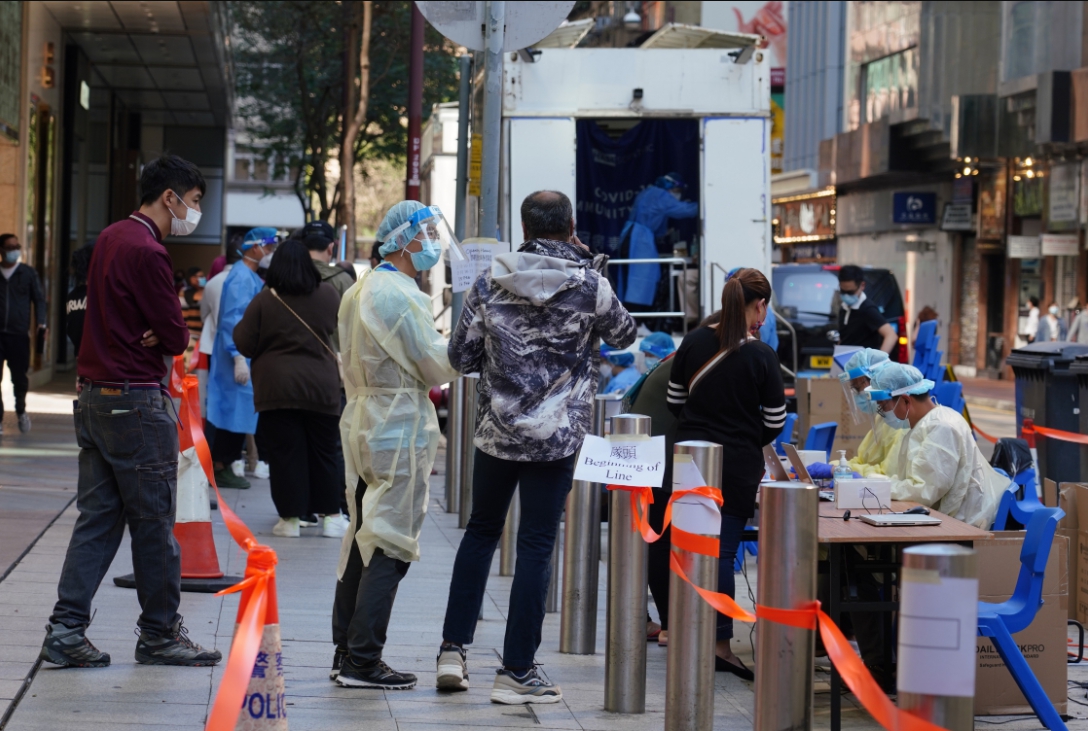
x=938, y=464
x=392, y=356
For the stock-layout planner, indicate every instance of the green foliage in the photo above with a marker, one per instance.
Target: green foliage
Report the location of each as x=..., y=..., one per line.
x=288, y=59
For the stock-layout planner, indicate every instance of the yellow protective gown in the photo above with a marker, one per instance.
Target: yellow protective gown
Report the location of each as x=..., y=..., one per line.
x=392, y=356
x=877, y=449
x=938, y=464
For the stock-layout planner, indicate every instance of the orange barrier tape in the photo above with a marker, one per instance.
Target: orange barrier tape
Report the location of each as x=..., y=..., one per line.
x=258, y=603
x=850, y=667
x=1032, y=428
x=643, y=497
x=984, y=435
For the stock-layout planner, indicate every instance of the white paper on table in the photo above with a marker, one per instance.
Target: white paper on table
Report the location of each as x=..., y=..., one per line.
x=938, y=622
x=693, y=513
x=622, y=459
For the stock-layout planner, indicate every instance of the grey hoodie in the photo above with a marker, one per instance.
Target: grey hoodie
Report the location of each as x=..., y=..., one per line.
x=532, y=326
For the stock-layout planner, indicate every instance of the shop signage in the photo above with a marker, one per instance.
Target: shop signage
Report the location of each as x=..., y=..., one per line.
x=963, y=190
x=11, y=70
x=1060, y=244
x=914, y=208
x=805, y=218
x=1027, y=197
x=957, y=217
x=1024, y=247
x=1062, y=208
x=991, y=208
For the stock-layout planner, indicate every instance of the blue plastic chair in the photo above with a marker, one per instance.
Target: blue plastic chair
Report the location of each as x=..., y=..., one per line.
x=786, y=437
x=950, y=394
x=1001, y=621
x=1019, y=509
x=749, y=547
x=821, y=436
x=1026, y=480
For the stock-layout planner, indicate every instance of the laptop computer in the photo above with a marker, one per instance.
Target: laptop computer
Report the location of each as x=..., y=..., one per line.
x=798, y=465
x=774, y=465
x=898, y=519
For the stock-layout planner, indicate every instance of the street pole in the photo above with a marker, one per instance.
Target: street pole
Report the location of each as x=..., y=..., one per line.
x=788, y=513
x=582, y=550
x=415, y=104
x=939, y=589
x=689, y=675
x=625, y=644
x=508, y=543
x=492, y=122
x=468, y=446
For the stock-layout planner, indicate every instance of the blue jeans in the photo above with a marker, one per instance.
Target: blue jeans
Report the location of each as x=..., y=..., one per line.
x=543, y=493
x=729, y=541
x=128, y=474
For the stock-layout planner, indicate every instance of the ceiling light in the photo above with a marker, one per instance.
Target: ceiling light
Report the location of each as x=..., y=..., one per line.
x=1016, y=178
x=1030, y=174
x=1027, y=161
x=967, y=159
x=967, y=170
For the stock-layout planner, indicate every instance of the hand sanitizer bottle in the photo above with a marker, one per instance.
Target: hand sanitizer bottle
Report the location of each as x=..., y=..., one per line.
x=842, y=470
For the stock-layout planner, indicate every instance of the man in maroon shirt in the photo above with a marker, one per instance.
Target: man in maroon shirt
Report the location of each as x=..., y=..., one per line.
x=128, y=460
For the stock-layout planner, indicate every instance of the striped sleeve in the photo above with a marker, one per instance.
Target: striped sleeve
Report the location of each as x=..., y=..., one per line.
x=774, y=417
x=677, y=394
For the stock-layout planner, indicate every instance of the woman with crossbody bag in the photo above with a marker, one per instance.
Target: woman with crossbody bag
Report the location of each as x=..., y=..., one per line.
x=726, y=387
x=296, y=389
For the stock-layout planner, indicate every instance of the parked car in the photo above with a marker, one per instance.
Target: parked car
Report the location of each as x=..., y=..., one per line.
x=807, y=297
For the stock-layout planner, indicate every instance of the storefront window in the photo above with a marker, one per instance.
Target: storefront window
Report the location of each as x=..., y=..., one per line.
x=890, y=84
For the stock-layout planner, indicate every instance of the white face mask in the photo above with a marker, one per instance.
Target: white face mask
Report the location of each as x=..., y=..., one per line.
x=606, y=370
x=184, y=226
x=265, y=262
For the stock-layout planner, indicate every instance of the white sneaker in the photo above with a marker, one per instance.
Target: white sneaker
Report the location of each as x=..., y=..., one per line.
x=286, y=528
x=452, y=668
x=335, y=526
x=238, y=467
x=261, y=470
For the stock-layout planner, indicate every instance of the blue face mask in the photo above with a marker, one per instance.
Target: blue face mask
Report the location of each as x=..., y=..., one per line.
x=424, y=260
x=864, y=403
x=202, y=282
x=12, y=257
x=894, y=421
x=652, y=361
x=849, y=299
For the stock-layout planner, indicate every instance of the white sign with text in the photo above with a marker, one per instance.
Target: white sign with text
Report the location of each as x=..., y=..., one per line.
x=478, y=258
x=622, y=460
x=693, y=513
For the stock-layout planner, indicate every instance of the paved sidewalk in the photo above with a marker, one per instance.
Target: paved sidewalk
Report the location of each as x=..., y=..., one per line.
x=126, y=695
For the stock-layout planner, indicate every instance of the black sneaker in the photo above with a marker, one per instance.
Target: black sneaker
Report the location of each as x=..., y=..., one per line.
x=70, y=648
x=378, y=675
x=174, y=649
x=337, y=662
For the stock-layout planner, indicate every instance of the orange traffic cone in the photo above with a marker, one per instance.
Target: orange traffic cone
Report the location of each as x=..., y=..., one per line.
x=264, y=706
x=200, y=570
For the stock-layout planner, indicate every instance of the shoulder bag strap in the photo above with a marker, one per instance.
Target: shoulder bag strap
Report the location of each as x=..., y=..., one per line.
x=335, y=356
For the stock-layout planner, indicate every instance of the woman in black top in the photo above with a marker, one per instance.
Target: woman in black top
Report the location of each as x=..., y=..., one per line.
x=726, y=388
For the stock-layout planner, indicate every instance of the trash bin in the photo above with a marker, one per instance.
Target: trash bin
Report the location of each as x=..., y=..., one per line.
x=1047, y=393
x=1079, y=367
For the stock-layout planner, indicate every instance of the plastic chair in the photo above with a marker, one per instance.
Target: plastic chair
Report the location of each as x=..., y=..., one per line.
x=786, y=437
x=821, y=436
x=1026, y=480
x=749, y=547
x=1011, y=506
x=1001, y=621
x=950, y=394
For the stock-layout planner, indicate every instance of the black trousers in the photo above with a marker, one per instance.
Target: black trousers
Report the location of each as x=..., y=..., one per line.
x=302, y=447
x=364, y=599
x=658, y=557
x=226, y=445
x=15, y=351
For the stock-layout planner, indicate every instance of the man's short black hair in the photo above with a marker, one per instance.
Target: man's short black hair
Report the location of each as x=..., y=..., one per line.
x=317, y=235
x=852, y=273
x=1032, y=299
x=169, y=172
x=4, y=238
x=375, y=251
x=547, y=215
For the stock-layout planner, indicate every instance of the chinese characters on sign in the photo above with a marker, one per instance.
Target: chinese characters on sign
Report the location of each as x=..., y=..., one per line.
x=914, y=208
x=622, y=460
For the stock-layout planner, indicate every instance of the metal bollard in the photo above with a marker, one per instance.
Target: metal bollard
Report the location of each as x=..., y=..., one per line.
x=468, y=447
x=454, y=447
x=625, y=637
x=508, y=544
x=788, y=513
x=689, y=675
x=551, y=602
x=938, y=618
x=582, y=551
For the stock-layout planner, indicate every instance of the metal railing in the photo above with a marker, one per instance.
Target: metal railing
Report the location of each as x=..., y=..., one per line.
x=672, y=261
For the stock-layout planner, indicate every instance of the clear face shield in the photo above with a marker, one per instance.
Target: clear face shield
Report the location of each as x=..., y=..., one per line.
x=431, y=228
x=858, y=405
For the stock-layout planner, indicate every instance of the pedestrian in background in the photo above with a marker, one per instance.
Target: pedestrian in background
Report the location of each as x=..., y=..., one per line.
x=1032, y=326
x=860, y=320
x=286, y=331
x=726, y=388
x=320, y=240
x=393, y=355
x=209, y=319
x=1052, y=327
x=1078, y=331
x=230, y=393
x=530, y=327
x=125, y=428
x=19, y=289
x=75, y=307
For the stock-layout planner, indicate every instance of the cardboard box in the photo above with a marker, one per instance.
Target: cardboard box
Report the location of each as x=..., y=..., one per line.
x=1043, y=643
x=1071, y=526
x=820, y=400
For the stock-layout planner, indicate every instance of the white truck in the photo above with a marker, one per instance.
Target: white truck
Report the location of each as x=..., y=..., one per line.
x=723, y=92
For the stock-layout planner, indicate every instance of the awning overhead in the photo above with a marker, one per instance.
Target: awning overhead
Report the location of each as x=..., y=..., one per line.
x=679, y=35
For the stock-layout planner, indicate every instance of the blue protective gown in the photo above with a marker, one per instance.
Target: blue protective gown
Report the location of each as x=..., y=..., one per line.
x=622, y=381
x=230, y=406
x=649, y=220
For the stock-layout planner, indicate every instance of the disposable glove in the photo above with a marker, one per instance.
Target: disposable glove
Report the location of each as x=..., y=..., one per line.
x=820, y=471
x=241, y=370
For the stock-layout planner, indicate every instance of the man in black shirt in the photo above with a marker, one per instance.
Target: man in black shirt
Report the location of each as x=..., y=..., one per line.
x=860, y=320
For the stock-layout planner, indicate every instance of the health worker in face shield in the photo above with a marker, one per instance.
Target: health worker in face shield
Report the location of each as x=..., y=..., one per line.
x=230, y=393
x=937, y=463
x=392, y=356
x=649, y=221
